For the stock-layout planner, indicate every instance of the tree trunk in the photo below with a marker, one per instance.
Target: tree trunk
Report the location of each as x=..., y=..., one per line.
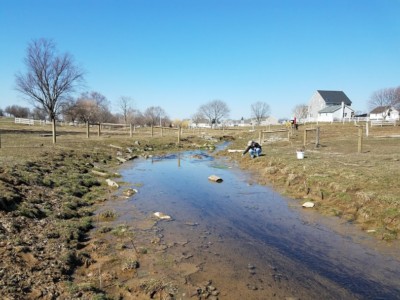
x=54, y=130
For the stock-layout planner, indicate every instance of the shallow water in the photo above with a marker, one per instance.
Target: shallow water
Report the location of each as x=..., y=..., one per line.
x=254, y=243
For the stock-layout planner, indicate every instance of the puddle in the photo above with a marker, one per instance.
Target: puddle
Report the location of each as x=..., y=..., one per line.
x=250, y=241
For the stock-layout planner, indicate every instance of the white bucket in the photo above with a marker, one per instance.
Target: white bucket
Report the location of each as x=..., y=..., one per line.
x=300, y=154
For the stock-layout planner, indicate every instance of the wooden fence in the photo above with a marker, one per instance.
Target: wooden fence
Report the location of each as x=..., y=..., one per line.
x=317, y=132
x=383, y=123
x=132, y=129
x=264, y=133
x=98, y=129
x=360, y=138
x=24, y=121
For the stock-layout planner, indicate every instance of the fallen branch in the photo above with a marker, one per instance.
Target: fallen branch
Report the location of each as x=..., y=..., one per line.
x=99, y=173
x=117, y=147
x=234, y=150
x=121, y=159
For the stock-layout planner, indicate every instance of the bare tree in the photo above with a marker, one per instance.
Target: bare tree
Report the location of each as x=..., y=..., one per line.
x=154, y=115
x=300, y=111
x=136, y=117
x=396, y=101
x=177, y=122
x=197, y=118
x=126, y=108
x=69, y=110
x=259, y=111
x=85, y=109
x=214, y=111
x=103, y=113
x=384, y=98
x=93, y=107
x=50, y=77
x=17, y=111
x=39, y=114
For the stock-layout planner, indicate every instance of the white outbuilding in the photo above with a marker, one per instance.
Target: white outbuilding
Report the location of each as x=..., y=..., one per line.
x=335, y=113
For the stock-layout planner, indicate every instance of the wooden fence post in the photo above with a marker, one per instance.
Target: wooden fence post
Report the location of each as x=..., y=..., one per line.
x=99, y=130
x=130, y=130
x=87, y=130
x=53, y=124
x=179, y=135
x=0, y=140
x=162, y=132
x=305, y=137
x=152, y=131
x=317, y=138
x=259, y=137
x=360, y=139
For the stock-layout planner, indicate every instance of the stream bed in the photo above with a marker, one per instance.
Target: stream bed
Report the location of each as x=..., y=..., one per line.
x=250, y=241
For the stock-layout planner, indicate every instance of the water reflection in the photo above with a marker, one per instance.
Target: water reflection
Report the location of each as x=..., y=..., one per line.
x=315, y=257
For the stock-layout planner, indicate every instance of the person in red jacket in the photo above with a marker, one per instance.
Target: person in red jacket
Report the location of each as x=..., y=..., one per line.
x=253, y=148
x=294, y=124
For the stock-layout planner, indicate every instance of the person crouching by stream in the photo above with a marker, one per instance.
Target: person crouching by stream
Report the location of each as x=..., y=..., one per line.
x=253, y=148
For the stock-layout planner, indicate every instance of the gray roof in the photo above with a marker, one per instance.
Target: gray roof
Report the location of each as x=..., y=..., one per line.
x=379, y=109
x=334, y=97
x=331, y=109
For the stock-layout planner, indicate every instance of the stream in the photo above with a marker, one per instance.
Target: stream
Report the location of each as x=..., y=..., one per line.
x=252, y=242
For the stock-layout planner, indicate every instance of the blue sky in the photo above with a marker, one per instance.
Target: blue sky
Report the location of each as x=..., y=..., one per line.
x=179, y=54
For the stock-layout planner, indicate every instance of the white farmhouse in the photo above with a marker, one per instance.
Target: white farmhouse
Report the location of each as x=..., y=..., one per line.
x=384, y=113
x=323, y=99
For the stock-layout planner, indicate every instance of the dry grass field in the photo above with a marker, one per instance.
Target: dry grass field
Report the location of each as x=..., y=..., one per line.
x=48, y=192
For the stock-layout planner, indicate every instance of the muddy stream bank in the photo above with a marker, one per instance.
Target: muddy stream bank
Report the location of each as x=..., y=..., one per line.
x=243, y=240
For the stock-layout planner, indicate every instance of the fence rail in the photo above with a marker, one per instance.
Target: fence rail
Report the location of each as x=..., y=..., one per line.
x=383, y=122
x=24, y=121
